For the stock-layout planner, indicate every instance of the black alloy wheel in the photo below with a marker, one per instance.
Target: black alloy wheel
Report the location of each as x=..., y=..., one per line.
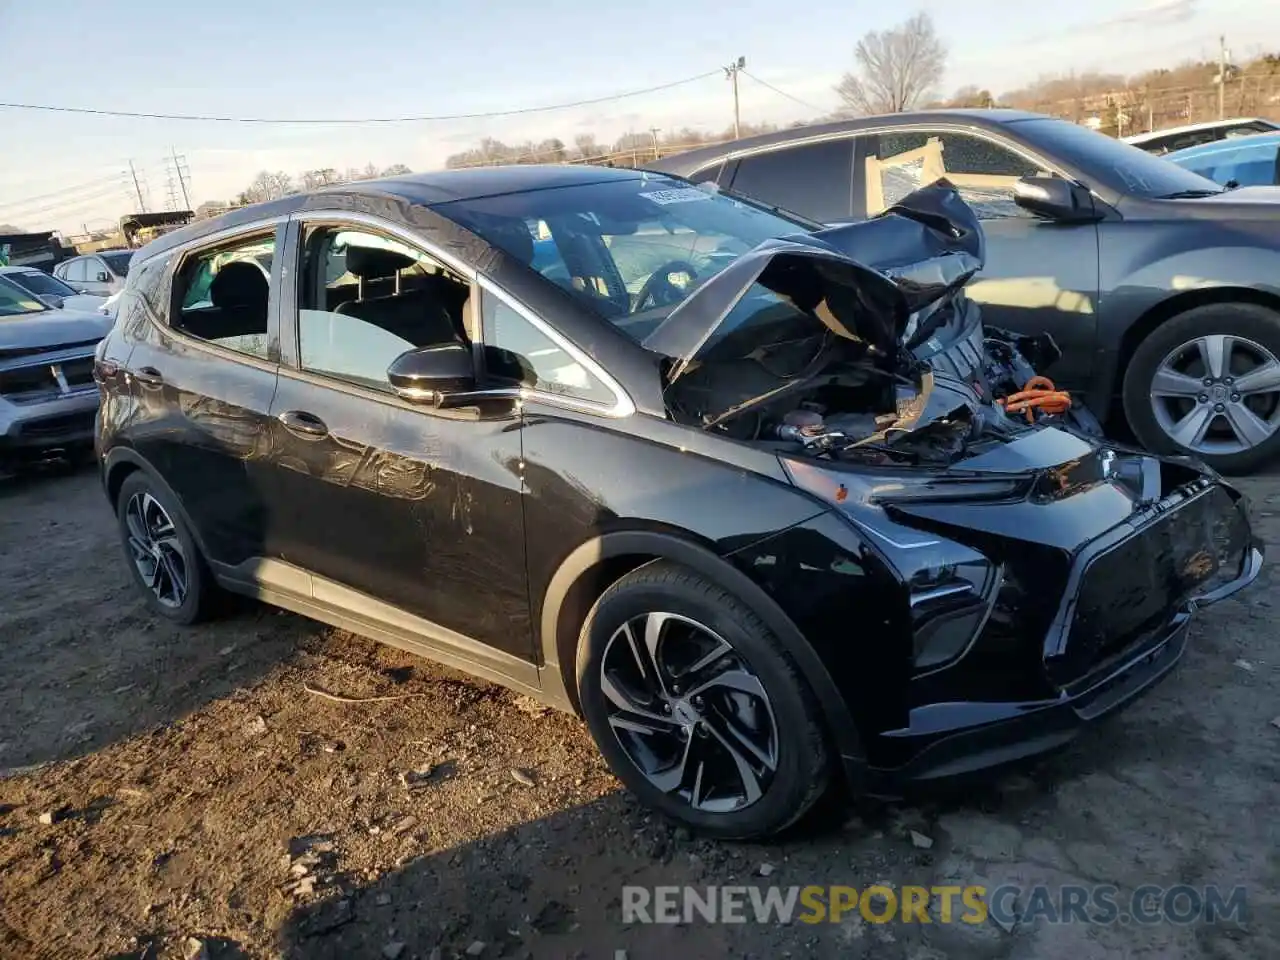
x=163, y=557
x=697, y=708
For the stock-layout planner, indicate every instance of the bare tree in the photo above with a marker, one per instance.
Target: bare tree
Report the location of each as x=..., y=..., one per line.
x=896, y=68
x=587, y=146
x=268, y=186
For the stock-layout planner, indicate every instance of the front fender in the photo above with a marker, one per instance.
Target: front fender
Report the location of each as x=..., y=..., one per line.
x=599, y=550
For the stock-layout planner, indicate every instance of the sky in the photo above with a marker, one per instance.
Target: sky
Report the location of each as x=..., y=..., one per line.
x=379, y=58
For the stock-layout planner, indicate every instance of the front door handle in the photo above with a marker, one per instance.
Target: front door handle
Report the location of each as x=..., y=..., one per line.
x=307, y=424
x=148, y=376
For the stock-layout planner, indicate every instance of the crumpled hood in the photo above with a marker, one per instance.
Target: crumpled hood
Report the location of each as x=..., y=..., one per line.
x=52, y=329
x=878, y=280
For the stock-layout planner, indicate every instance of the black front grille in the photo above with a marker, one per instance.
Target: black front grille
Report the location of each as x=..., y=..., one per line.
x=66, y=426
x=78, y=372
x=29, y=384
x=1132, y=589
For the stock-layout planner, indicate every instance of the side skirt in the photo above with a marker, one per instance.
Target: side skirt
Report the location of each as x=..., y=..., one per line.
x=293, y=588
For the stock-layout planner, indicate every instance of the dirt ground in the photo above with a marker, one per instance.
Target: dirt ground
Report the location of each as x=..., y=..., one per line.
x=159, y=784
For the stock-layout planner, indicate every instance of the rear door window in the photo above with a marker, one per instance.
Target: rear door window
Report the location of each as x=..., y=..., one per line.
x=814, y=180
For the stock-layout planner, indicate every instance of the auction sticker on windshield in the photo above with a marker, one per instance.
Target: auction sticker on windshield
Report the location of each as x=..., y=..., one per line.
x=683, y=195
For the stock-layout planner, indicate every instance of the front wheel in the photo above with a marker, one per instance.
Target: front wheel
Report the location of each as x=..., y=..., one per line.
x=697, y=708
x=1207, y=383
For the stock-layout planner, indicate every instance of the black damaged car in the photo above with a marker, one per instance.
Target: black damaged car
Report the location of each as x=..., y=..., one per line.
x=660, y=457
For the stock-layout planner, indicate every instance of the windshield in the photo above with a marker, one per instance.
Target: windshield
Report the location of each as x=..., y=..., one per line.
x=1248, y=163
x=1120, y=166
x=16, y=302
x=40, y=283
x=629, y=249
x=118, y=262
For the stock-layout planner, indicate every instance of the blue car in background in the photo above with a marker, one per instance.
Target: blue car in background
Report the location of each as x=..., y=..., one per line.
x=1252, y=161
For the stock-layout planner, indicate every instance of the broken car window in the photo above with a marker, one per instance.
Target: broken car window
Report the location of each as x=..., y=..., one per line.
x=983, y=172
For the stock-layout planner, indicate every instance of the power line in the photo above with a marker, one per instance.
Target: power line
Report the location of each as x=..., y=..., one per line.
x=782, y=93
x=78, y=188
x=43, y=212
x=423, y=119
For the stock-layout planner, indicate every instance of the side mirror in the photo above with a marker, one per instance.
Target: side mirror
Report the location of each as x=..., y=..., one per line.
x=431, y=374
x=1055, y=199
x=104, y=278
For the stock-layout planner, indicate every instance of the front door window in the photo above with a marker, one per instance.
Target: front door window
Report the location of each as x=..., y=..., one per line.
x=982, y=170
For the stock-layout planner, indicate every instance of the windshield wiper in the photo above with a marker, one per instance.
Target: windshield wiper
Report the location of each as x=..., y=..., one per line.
x=1190, y=194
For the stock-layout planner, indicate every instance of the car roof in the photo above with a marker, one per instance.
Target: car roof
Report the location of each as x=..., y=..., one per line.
x=416, y=189
x=20, y=268
x=1138, y=138
x=1230, y=144
x=692, y=160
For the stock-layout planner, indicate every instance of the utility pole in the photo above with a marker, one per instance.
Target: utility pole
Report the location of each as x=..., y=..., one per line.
x=653, y=131
x=1223, y=55
x=731, y=74
x=142, y=205
x=182, y=180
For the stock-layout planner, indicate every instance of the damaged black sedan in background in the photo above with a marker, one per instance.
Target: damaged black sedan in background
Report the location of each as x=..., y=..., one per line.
x=748, y=496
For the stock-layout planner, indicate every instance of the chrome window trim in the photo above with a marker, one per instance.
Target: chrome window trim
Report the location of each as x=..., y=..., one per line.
x=213, y=239
x=623, y=406
x=921, y=127
x=178, y=255
x=388, y=226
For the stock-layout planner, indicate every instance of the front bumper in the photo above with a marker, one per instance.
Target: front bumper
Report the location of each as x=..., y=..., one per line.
x=34, y=428
x=954, y=739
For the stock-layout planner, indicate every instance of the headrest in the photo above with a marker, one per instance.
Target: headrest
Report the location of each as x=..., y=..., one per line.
x=373, y=263
x=239, y=284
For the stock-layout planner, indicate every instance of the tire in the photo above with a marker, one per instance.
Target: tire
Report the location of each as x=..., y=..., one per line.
x=140, y=495
x=1252, y=338
x=789, y=760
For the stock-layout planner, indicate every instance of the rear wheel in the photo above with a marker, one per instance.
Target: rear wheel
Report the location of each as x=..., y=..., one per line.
x=696, y=707
x=1207, y=383
x=162, y=555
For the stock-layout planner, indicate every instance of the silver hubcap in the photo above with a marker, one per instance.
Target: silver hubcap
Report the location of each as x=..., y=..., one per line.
x=156, y=550
x=1218, y=394
x=689, y=712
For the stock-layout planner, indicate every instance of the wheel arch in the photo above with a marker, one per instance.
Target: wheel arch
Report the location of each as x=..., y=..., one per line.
x=1170, y=307
x=121, y=463
x=596, y=564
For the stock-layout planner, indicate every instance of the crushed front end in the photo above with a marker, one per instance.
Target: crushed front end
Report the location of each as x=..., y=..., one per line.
x=1049, y=582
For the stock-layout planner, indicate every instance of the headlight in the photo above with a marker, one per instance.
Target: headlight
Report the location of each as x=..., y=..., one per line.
x=902, y=487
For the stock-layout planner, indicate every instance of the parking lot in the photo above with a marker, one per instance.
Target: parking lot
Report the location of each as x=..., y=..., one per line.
x=269, y=786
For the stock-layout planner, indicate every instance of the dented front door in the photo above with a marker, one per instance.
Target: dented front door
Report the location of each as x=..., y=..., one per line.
x=413, y=507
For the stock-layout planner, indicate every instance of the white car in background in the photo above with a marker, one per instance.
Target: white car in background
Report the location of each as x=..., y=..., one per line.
x=51, y=291
x=1194, y=134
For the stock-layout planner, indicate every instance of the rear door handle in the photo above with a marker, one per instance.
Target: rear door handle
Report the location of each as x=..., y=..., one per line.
x=307, y=424
x=148, y=376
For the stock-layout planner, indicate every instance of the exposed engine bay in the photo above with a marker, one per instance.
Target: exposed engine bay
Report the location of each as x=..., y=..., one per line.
x=850, y=343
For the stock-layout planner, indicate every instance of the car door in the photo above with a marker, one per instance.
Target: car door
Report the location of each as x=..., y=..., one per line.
x=399, y=511
x=74, y=272
x=203, y=372
x=97, y=278
x=1039, y=275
